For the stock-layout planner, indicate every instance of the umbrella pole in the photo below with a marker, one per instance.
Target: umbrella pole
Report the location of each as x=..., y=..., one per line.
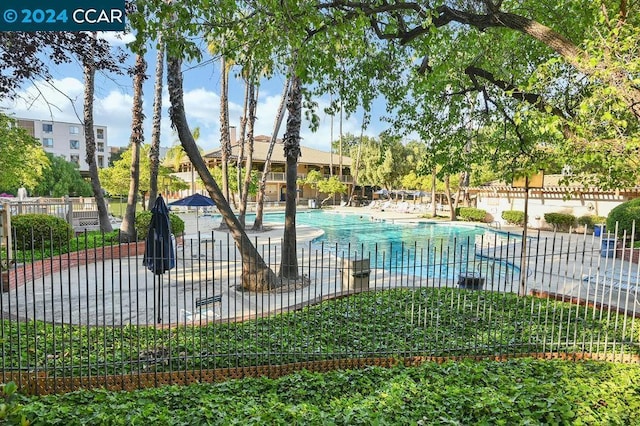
x=159, y=299
x=197, y=226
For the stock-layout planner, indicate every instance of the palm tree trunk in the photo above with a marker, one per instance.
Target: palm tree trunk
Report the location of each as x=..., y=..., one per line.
x=355, y=172
x=256, y=275
x=242, y=141
x=225, y=138
x=154, y=152
x=244, y=193
x=90, y=141
x=137, y=137
x=289, y=259
x=434, y=205
x=257, y=224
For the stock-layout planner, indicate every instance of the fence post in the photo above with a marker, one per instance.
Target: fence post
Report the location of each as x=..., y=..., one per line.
x=5, y=229
x=69, y=211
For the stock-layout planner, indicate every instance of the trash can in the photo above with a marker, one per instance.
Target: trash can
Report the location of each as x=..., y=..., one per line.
x=471, y=280
x=599, y=229
x=312, y=203
x=355, y=273
x=608, y=248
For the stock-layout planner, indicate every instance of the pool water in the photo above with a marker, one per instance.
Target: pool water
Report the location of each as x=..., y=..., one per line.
x=429, y=249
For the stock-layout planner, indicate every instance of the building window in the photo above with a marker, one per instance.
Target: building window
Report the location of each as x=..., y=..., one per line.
x=47, y=142
x=75, y=159
x=100, y=147
x=47, y=127
x=100, y=133
x=74, y=130
x=74, y=144
x=100, y=161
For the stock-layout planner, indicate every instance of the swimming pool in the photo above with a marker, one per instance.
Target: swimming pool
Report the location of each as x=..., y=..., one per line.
x=429, y=249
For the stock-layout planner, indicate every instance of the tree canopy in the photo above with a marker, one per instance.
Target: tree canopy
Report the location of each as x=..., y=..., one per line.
x=115, y=179
x=22, y=159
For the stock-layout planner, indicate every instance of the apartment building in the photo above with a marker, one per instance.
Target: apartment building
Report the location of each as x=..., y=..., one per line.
x=311, y=159
x=68, y=140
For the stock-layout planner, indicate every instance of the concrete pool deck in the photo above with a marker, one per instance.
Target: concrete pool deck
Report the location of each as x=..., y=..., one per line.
x=123, y=291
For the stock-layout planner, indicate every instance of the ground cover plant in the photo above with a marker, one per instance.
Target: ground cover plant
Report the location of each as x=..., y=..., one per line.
x=399, y=322
x=519, y=391
x=86, y=240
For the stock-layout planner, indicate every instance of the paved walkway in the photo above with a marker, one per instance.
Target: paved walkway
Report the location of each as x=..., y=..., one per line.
x=123, y=291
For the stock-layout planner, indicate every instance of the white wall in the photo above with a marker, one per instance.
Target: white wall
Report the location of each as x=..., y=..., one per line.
x=599, y=204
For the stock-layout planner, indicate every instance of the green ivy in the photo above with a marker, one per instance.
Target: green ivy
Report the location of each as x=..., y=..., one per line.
x=522, y=391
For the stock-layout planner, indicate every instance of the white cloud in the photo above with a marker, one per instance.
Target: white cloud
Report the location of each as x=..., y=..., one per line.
x=113, y=101
x=116, y=38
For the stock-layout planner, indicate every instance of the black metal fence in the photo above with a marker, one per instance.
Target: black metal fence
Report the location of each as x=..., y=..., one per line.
x=97, y=317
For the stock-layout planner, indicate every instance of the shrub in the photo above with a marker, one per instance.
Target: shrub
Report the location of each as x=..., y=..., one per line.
x=624, y=215
x=515, y=217
x=143, y=220
x=561, y=221
x=590, y=220
x=35, y=230
x=472, y=214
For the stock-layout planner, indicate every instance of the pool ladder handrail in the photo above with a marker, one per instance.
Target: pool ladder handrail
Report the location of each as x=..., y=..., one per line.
x=495, y=224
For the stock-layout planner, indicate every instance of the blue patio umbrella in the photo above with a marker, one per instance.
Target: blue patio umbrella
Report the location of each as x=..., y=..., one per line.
x=159, y=254
x=195, y=200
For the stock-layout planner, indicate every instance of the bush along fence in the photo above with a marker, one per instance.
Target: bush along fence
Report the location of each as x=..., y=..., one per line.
x=104, y=320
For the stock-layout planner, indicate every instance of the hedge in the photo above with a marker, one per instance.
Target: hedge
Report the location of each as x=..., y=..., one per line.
x=561, y=221
x=35, y=230
x=590, y=221
x=472, y=214
x=624, y=215
x=515, y=217
x=143, y=220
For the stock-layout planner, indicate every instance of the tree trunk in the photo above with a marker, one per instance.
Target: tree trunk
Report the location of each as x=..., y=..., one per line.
x=154, y=151
x=256, y=275
x=244, y=193
x=242, y=144
x=434, y=205
x=90, y=142
x=355, y=172
x=225, y=137
x=137, y=137
x=289, y=259
x=257, y=224
x=447, y=188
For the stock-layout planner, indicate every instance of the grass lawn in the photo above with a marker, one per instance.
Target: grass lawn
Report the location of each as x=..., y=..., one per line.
x=522, y=391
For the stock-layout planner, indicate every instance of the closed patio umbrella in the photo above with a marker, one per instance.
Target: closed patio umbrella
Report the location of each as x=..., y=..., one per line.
x=159, y=254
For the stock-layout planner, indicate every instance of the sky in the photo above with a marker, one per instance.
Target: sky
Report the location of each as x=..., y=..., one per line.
x=62, y=100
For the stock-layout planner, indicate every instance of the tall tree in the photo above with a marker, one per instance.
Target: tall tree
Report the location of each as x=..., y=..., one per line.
x=154, y=152
x=89, y=68
x=250, y=142
x=22, y=159
x=27, y=56
x=289, y=256
x=256, y=274
x=127, y=227
x=225, y=134
x=262, y=187
x=116, y=178
x=61, y=178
